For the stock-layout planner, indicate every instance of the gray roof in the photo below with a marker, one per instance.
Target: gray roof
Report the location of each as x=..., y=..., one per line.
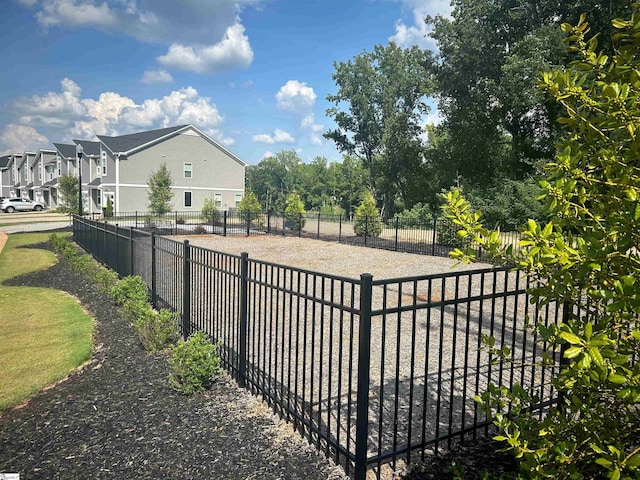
x=89, y=147
x=125, y=143
x=66, y=150
x=96, y=181
x=4, y=161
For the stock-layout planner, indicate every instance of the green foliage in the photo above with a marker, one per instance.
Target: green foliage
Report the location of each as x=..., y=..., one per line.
x=419, y=216
x=158, y=331
x=378, y=108
x=130, y=289
x=108, y=210
x=586, y=256
x=194, y=364
x=331, y=210
x=507, y=203
x=68, y=194
x=367, y=222
x=293, y=213
x=209, y=213
x=160, y=194
x=249, y=208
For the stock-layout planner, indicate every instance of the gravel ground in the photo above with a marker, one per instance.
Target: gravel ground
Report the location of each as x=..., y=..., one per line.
x=117, y=418
x=33, y=227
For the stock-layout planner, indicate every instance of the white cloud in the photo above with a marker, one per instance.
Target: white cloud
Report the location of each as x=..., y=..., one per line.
x=20, y=138
x=295, y=96
x=73, y=13
x=315, y=130
x=268, y=154
x=416, y=32
x=233, y=51
x=156, y=76
x=68, y=115
x=279, y=136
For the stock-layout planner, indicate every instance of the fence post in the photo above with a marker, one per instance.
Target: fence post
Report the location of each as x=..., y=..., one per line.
x=396, y=234
x=136, y=219
x=340, y=229
x=175, y=223
x=299, y=224
x=153, y=269
x=186, y=291
x=364, y=363
x=249, y=213
x=244, y=302
x=224, y=226
x=268, y=221
x=435, y=230
x=131, y=251
x=284, y=223
x=366, y=229
x=318, y=226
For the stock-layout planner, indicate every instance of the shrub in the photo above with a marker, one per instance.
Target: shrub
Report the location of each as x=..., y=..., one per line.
x=209, y=212
x=331, y=210
x=106, y=279
x=200, y=229
x=586, y=258
x=180, y=221
x=367, y=221
x=131, y=288
x=419, y=215
x=293, y=212
x=108, y=211
x=157, y=330
x=194, y=364
x=249, y=208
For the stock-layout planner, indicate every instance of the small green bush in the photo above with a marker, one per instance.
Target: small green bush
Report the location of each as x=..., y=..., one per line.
x=209, y=213
x=105, y=278
x=194, y=363
x=448, y=234
x=293, y=213
x=158, y=330
x=200, y=229
x=130, y=289
x=367, y=221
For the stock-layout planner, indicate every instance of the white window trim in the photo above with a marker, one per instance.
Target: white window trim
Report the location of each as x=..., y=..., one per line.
x=103, y=163
x=184, y=170
x=217, y=200
x=184, y=199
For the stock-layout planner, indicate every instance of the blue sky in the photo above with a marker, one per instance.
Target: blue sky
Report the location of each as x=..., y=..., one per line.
x=253, y=74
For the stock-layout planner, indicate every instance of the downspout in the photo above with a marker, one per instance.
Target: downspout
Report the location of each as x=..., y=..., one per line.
x=116, y=201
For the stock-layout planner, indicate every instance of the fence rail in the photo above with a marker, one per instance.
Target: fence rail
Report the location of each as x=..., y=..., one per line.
x=433, y=237
x=373, y=372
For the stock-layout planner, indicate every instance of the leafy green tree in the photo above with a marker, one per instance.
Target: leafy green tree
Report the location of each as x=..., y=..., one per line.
x=586, y=257
x=249, y=208
x=497, y=122
x=68, y=191
x=381, y=98
x=209, y=212
x=108, y=210
x=367, y=222
x=160, y=193
x=294, y=211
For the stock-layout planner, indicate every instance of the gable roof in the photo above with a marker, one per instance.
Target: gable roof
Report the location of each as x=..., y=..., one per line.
x=4, y=161
x=126, y=143
x=66, y=150
x=89, y=147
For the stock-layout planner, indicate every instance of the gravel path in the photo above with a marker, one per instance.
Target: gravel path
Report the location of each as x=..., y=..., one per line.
x=33, y=227
x=117, y=417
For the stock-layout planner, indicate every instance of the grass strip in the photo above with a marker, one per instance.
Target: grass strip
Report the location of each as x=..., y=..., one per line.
x=45, y=333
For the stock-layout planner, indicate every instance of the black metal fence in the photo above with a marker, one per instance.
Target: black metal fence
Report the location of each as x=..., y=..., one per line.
x=433, y=237
x=374, y=372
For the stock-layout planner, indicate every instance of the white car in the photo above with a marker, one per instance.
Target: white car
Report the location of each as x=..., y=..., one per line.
x=9, y=205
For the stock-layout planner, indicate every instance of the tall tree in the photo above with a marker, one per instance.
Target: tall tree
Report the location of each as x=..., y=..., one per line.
x=160, y=194
x=68, y=188
x=490, y=53
x=378, y=109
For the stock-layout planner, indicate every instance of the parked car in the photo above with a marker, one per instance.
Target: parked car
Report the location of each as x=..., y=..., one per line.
x=9, y=205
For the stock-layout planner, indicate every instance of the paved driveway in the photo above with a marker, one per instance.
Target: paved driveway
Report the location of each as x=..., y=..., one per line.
x=32, y=221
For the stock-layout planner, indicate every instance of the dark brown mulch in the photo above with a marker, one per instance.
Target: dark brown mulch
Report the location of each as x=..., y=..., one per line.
x=470, y=462
x=118, y=418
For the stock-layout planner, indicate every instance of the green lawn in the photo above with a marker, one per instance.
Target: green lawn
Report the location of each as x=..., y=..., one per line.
x=45, y=333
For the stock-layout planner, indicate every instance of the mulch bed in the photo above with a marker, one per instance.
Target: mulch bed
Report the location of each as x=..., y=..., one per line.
x=117, y=417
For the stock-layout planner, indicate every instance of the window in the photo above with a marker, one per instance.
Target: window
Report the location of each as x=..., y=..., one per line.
x=59, y=166
x=238, y=199
x=217, y=200
x=40, y=172
x=103, y=164
x=99, y=198
x=188, y=170
x=187, y=199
